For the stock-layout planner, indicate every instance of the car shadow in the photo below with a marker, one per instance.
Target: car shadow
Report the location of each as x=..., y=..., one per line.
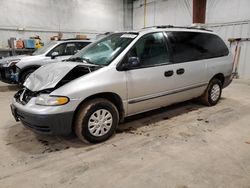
x=23, y=139
x=10, y=87
x=154, y=117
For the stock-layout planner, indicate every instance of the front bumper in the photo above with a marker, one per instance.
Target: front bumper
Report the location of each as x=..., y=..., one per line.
x=51, y=124
x=9, y=74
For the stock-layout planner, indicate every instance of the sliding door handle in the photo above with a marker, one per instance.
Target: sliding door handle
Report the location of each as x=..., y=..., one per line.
x=169, y=73
x=180, y=71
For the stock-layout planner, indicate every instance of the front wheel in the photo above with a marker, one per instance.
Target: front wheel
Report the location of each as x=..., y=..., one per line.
x=96, y=120
x=213, y=93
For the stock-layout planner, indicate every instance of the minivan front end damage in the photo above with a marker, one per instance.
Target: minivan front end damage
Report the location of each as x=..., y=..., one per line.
x=42, y=112
x=43, y=123
x=47, y=77
x=41, y=119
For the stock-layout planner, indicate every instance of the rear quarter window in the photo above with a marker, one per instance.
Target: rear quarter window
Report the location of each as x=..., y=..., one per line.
x=191, y=46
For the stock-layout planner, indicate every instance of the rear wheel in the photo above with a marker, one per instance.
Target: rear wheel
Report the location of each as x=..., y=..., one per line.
x=96, y=121
x=213, y=93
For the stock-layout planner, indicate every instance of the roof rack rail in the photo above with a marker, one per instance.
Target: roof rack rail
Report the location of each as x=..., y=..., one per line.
x=172, y=26
x=74, y=39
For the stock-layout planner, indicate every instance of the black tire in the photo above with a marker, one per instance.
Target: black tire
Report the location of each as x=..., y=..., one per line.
x=207, y=98
x=83, y=117
x=25, y=75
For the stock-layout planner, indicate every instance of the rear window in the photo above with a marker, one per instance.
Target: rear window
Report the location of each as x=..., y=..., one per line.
x=191, y=46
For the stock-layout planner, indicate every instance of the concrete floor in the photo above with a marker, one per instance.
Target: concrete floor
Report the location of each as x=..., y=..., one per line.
x=183, y=146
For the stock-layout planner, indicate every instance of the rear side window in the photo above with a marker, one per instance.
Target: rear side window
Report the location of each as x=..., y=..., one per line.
x=191, y=46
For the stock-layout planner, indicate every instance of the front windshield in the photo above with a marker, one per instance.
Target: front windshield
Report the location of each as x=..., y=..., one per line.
x=105, y=50
x=45, y=48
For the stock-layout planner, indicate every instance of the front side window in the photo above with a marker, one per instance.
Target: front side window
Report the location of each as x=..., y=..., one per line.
x=105, y=50
x=59, y=49
x=151, y=50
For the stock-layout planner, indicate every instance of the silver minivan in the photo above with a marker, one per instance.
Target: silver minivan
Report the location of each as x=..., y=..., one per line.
x=123, y=74
x=16, y=69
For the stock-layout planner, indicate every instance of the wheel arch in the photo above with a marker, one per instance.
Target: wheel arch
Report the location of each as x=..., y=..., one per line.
x=112, y=97
x=219, y=76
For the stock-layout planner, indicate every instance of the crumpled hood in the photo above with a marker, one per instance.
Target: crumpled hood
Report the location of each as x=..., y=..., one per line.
x=48, y=76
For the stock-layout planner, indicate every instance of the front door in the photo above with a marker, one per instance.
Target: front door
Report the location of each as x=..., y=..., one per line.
x=149, y=83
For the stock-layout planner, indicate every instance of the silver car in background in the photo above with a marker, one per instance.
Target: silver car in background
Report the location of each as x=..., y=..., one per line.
x=123, y=74
x=16, y=69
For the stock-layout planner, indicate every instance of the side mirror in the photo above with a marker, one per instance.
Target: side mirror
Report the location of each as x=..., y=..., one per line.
x=132, y=63
x=54, y=55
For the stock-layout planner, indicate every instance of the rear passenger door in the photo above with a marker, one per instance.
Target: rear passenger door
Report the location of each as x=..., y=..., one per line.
x=190, y=64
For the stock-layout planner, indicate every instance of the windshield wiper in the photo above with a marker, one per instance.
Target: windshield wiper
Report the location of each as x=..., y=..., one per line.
x=80, y=59
x=83, y=60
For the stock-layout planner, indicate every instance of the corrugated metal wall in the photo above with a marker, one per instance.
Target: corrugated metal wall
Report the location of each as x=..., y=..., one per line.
x=231, y=19
x=160, y=12
x=237, y=30
x=47, y=17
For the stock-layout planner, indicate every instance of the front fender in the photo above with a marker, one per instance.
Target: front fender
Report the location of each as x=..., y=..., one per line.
x=104, y=80
x=36, y=61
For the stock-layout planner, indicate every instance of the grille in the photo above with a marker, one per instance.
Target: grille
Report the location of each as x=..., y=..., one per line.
x=24, y=95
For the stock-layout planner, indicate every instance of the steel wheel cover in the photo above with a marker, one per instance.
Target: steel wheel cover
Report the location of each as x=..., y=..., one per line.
x=100, y=122
x=215, y=92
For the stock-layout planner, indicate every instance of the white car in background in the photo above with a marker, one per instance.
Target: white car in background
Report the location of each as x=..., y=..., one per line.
x=16, y=69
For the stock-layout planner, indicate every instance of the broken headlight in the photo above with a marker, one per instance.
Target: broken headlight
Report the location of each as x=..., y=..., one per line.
x=11, y=63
